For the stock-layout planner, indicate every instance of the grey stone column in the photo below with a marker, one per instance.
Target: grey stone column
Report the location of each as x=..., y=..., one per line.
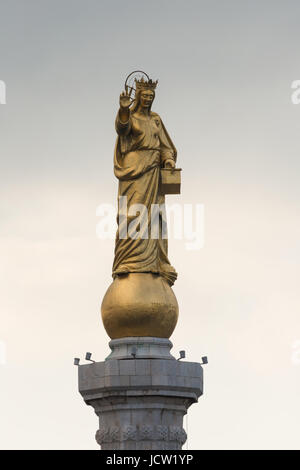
x=141, y=393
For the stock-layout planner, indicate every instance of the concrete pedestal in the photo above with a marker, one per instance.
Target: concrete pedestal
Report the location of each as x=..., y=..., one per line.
x=141, y=393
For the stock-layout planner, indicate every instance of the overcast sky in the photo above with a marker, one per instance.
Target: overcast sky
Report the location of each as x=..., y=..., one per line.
x=225, y=70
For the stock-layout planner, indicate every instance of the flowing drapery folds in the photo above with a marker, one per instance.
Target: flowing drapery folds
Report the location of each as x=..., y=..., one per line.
x=142, y=147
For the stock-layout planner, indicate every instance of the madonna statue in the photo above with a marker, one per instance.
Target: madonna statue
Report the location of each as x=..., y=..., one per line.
x=140, y=301
x=143, y=147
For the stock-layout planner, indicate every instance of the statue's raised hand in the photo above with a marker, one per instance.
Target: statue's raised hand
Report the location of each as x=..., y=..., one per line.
x=125, y=99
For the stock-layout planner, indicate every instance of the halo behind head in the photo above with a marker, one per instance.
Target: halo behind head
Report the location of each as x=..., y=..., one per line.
x=138, y=80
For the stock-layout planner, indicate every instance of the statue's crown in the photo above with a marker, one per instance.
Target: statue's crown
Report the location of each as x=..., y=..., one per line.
x=145, y=85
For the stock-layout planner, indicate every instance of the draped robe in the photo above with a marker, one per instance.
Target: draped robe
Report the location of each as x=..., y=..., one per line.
x=142, y=147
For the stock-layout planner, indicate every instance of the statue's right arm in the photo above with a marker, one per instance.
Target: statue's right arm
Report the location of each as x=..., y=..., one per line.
x=124, y=114
x=123, y=128
x=123, y=121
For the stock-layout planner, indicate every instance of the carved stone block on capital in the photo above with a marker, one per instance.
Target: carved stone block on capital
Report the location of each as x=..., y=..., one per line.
x=144, y=432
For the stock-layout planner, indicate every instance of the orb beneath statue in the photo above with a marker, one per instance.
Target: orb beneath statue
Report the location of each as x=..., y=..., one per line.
x=139, y=304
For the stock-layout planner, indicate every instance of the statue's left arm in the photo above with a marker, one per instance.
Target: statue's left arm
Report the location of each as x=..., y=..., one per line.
x=167, y=149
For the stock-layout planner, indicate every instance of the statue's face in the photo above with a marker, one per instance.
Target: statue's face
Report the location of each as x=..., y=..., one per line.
x=147, y=96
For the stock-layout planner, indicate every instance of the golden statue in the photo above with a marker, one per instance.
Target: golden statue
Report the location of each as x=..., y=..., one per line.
x=140, y=301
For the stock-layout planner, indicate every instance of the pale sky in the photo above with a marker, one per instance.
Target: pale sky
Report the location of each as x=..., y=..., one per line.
x=225, y=71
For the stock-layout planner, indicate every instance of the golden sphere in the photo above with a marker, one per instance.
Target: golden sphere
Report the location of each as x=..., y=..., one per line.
x=139, y=304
